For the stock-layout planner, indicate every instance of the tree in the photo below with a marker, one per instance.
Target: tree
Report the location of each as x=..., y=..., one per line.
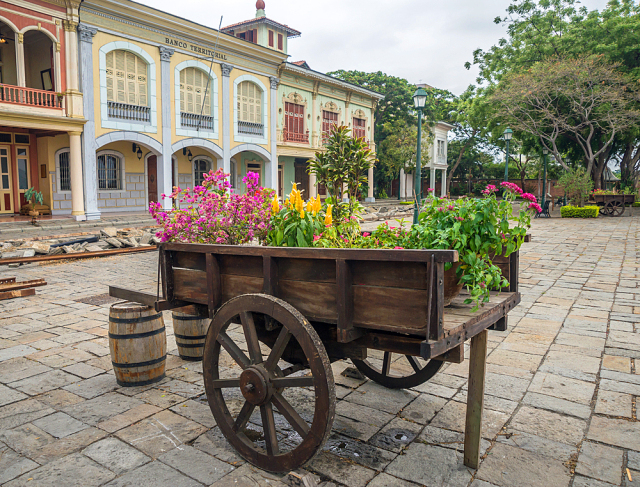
x=576, y=184
x=584, y=99
x=398, y=150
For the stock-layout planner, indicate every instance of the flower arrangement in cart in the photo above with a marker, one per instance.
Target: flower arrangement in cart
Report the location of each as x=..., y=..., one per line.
x=477, y=228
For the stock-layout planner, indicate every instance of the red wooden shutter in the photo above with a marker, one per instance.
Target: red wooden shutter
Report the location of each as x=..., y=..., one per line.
x=328, y=120
x=359, y=127
x=270, y=38
x=280, y=41
x=255, y=36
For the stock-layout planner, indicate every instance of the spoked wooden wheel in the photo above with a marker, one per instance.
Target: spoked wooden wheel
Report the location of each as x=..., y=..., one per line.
x=615, y=208
x=398, y=371
x=262, y=409
x=603, y=210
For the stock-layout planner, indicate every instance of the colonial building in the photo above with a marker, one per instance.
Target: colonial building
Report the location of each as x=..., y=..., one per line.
x=40, y=103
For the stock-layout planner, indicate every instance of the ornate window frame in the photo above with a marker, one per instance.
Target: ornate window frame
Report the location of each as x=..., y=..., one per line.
x=189, y=132
x=123, y=179
x=265, y=114
x=212, y=165
x=360, y=113
x=57, y=160
x=152, y=128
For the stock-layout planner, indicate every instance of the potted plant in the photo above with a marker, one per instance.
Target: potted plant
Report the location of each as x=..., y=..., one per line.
x=33, y=197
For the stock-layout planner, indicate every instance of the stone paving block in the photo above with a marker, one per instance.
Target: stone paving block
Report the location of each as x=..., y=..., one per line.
x=159, y=398
x=72, y=471
x=619, y=386
x=181, y=388
x=69, y=444
x=423, y=408
x=362, y=413
x=83, y=370
x=600, y=462
x=396, y=435
x=581, y=481
x=571, y=365
x=13, y=465
x=506, y=387
x=215, y=444
x=196, y=464
x=537, y=444
x=635, y=479
x=563, y=387
x=385, y=480
x=443, y=469
x=436, y=390
x=550, y=425
x=514, y=359
x=94, y=387
x=160, y=433
x=453, y=415
x=196, y=411
x=20, y=368
x=115, y=455
x=507, y=466
x=155, y=474
x=616, y=432
x=59, y=398
x=8, y=395
x=19, y=413
x=59, y=425
x=620, y=376
x=48, y=381
x=16, y=351
x=26, y=439
x=633, y=460
x=375, y=396
x=133, y=415
x=448, y=439
x=359, y=430
x=619, y=364
x=614, y=404
x=490, y=402
x=359, y=452
x=249, y=476
x=558, y=405
x=340, y=470
x=99, y=409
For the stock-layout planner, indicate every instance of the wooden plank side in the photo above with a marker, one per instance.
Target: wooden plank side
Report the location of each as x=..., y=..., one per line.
x=315, y=300
x=317, y=270
x=404, y=255
x=233, y=286
x=190, y=260
x=214, y=287
x=388, y=308
x=239, y=265
x=411, y=275
x=190, y=285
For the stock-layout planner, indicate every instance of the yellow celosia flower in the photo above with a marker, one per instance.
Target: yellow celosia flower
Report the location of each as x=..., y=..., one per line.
x=301, y=213
x=328, y=218
x=294, y=188
x=318, y=205
x=299, y=204
x=311, y=204
x=275, y=207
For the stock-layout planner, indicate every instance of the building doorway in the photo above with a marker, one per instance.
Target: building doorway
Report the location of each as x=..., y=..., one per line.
x=152, y=178
x=5, y=180
x=301, y=176
x=280, y=180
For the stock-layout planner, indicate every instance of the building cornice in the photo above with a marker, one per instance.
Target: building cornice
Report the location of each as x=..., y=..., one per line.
x=330, y=80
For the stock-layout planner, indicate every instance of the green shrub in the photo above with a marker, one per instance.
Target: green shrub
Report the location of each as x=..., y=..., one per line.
x=577, y=212
x=406, y=203
x=636, y=204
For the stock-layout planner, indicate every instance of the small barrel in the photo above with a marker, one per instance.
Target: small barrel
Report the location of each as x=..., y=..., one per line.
x=138, y=344
x=190, y=331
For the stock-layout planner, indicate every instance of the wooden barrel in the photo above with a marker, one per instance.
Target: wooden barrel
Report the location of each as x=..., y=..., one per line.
x=138, y=344
x=190, y=331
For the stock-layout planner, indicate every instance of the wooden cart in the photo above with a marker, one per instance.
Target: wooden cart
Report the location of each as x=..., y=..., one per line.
x=613, y=204
x=277, y=312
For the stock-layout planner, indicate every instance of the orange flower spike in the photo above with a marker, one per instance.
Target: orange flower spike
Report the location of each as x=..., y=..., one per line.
x=328, y=218
x=275, y=207
x=310, y=205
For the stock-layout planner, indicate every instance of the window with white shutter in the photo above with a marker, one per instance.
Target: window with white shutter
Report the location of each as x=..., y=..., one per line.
x=127, y=78
x=193, y=83
x=249, y=102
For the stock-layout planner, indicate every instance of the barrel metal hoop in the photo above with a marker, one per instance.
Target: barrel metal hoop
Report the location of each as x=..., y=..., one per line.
x=141, y=383
x=190, y=337
x=189, y=318
x=142, y=319
x=190, y=345
x=116, y=336
x=139, y=364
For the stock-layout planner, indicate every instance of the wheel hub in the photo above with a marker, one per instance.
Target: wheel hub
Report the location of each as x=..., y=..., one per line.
x=255, y=385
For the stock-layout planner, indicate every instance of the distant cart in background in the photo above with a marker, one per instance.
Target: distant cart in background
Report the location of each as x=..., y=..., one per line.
x=613, y=204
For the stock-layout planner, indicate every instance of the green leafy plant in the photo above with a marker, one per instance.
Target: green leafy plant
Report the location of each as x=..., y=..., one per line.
x=577, y=184
x=579, y=212
x=33, y=196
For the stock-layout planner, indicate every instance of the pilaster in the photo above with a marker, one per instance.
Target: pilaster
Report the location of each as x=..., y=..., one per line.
x=164, y=161
x=226, y=117
x=20, y=66
x=271, y=180
x=90, y=173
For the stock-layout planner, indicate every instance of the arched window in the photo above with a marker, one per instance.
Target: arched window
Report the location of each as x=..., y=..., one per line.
x=109, y=171
x=63, y=170
x=126, y=78
x=193, y=83
x=201, y=166
x=249, y=103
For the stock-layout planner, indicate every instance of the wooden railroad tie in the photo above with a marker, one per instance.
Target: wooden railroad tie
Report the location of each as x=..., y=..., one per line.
x=9, y=288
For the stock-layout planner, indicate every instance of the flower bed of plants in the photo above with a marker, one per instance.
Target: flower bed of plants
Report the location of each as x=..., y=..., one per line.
x=579, y=212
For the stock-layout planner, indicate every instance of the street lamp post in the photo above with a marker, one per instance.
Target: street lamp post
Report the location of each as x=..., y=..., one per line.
x=508, y=133
x=545, y=151
x=419, y=100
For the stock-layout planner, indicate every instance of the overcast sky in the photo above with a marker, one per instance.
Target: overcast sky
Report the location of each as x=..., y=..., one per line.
x=423, y=41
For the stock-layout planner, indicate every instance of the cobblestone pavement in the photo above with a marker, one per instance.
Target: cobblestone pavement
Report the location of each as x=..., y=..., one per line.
x=561, y=396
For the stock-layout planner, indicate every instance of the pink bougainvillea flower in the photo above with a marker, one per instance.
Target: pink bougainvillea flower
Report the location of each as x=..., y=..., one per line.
x=459, y=218
x=530, y=197
x=512, y=186
x=316, y=238
x=366, y=234
x=398, y=248
x=535, y=206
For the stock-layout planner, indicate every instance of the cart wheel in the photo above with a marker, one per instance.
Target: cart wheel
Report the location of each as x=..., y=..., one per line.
x=397, y=375
x=279, y=438
x=616, y=208
x=603, y=210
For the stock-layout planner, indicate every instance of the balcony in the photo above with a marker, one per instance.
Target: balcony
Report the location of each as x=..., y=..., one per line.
x=30, y=97
x=250, y=128
x=194, y=121
x=300, y=138
x=132, y=113
x=442, y=160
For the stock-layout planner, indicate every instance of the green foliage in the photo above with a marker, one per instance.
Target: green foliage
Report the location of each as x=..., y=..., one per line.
x=399, y=148
x=577, y=184
x=346, y=161
x=33, y=196
x=292, y=226
x=579, y=212
x=636, y=204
